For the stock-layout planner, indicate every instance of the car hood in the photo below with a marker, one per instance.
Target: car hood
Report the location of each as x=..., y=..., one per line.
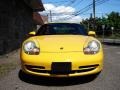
x=61, y=43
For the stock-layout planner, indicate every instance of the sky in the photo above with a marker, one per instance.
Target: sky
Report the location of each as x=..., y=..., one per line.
x=76, y=10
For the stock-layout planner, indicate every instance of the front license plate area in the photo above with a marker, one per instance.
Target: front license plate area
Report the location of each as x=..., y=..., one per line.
x=60, y=67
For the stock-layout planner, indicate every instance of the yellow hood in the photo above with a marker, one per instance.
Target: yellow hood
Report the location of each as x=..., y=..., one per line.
x=61, y=43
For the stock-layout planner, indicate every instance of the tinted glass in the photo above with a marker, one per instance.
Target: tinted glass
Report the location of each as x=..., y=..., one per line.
x=61, y=29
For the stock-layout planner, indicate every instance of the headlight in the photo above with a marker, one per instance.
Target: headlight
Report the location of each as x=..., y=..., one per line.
x=30, y=48
x=93, y=47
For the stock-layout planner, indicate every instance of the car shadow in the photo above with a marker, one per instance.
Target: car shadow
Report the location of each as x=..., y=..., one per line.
x=50, y=81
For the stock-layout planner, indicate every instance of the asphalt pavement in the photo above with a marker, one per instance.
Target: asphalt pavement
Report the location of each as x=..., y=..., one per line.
x=108, y=79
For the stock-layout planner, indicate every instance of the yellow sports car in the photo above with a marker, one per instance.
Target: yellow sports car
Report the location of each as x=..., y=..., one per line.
x=61, y=50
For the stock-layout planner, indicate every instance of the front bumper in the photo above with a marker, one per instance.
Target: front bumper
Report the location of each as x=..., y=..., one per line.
x=72, y=73
x=81, y=64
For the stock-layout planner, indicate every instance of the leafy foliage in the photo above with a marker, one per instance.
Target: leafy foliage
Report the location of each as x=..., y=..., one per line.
x=111, y=20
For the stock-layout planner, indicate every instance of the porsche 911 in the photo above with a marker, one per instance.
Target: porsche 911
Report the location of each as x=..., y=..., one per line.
x=61, y=50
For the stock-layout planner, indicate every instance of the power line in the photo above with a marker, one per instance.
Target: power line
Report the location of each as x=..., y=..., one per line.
x=81, y=11
x=85, y=9
x=67, y=13
x=94, y=14
x=62, y=1
x=88, y=7
x=76, y=4
x=71, y=3
x=78, y=12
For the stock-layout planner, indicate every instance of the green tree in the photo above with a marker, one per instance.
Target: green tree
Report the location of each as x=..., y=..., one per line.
x=110, y=20
x=114, y=20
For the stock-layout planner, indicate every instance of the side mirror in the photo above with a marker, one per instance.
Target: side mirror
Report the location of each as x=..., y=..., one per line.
x=32, y=33
x=92, y=33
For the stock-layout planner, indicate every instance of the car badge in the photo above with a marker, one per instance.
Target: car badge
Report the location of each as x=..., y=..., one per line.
x=61, y=48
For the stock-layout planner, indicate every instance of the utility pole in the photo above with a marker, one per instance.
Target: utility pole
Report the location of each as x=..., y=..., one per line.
x=112, y=28
x=94, y=14
x=50, y=16
x=103, y=28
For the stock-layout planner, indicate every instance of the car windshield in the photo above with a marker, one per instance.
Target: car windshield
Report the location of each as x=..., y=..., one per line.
x=61, y=29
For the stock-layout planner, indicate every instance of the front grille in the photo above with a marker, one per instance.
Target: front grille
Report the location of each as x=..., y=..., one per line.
x=61, y=68
x=61, y=73
x=30, y=67
x=89, y=66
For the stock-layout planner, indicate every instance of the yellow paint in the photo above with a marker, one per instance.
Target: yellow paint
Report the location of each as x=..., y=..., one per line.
x=72, y=51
